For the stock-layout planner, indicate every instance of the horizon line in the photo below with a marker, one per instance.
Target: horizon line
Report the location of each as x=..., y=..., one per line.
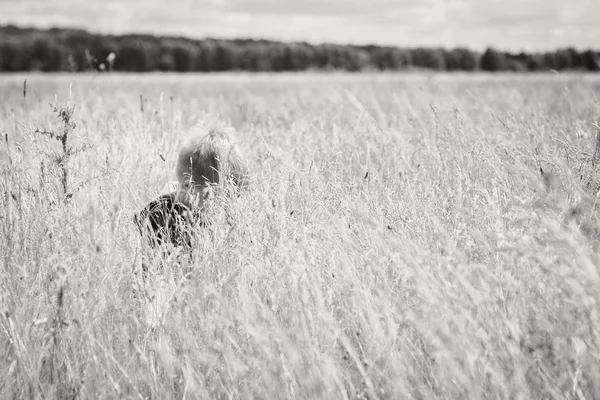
x=281, y=41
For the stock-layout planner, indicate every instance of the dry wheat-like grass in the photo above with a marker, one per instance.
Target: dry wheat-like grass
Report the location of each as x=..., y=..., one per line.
x=403, y=236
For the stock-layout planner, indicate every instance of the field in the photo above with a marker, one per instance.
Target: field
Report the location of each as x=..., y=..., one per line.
x=407, y=236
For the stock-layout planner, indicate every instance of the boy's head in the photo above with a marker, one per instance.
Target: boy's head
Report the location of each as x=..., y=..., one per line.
x=207, y=161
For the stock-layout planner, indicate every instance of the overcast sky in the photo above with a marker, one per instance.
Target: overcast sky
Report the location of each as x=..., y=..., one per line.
x=507, y=24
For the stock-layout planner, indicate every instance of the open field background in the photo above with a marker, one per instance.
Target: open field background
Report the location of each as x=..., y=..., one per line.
x=405, y=236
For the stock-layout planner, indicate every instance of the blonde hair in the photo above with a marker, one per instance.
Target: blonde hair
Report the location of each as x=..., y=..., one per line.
x=211, y=158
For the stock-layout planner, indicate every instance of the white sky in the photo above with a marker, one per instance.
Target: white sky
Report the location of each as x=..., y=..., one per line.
x=506, y=24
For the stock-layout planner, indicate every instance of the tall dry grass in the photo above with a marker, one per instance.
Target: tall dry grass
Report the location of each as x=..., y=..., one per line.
x=405, y=236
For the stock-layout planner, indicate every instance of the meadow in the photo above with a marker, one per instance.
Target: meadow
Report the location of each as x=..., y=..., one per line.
x=405, y=236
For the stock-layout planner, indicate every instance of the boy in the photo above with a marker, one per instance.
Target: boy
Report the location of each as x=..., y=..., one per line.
x=204, y=164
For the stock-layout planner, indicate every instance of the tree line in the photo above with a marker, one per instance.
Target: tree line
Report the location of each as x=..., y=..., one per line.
x=57, y=49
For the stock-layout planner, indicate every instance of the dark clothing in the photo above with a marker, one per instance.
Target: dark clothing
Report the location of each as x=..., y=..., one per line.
x=165, y=220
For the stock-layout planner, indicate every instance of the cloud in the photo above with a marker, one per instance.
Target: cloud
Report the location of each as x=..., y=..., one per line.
x=316, y=7
x=509, y=24
x=526, y=24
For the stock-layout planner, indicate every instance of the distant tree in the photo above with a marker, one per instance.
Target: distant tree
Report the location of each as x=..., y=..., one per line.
x=166, y=61
x=57, y=49
x=134, y=55
x=76, y=44
x=382, y=58
x=389, y=58
x=47, y=55
x=461, y=59
x=12, y=55
x=253, y=57
x=287, y=59
x=535, y=62
x=103, y=50
x=402, y=58
x=453, y=60
x=322, y=57
x=355, y=59
x=575, y=58
x=303, y=56
x=226, y=57
x=184, y=55
x=563, y=60
x=278, y=58
x=550, y=60
x=205, y=55
x=429, y=58
x=515, y=65
x=334, y=57
x=590, y=60
x=493, y=60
